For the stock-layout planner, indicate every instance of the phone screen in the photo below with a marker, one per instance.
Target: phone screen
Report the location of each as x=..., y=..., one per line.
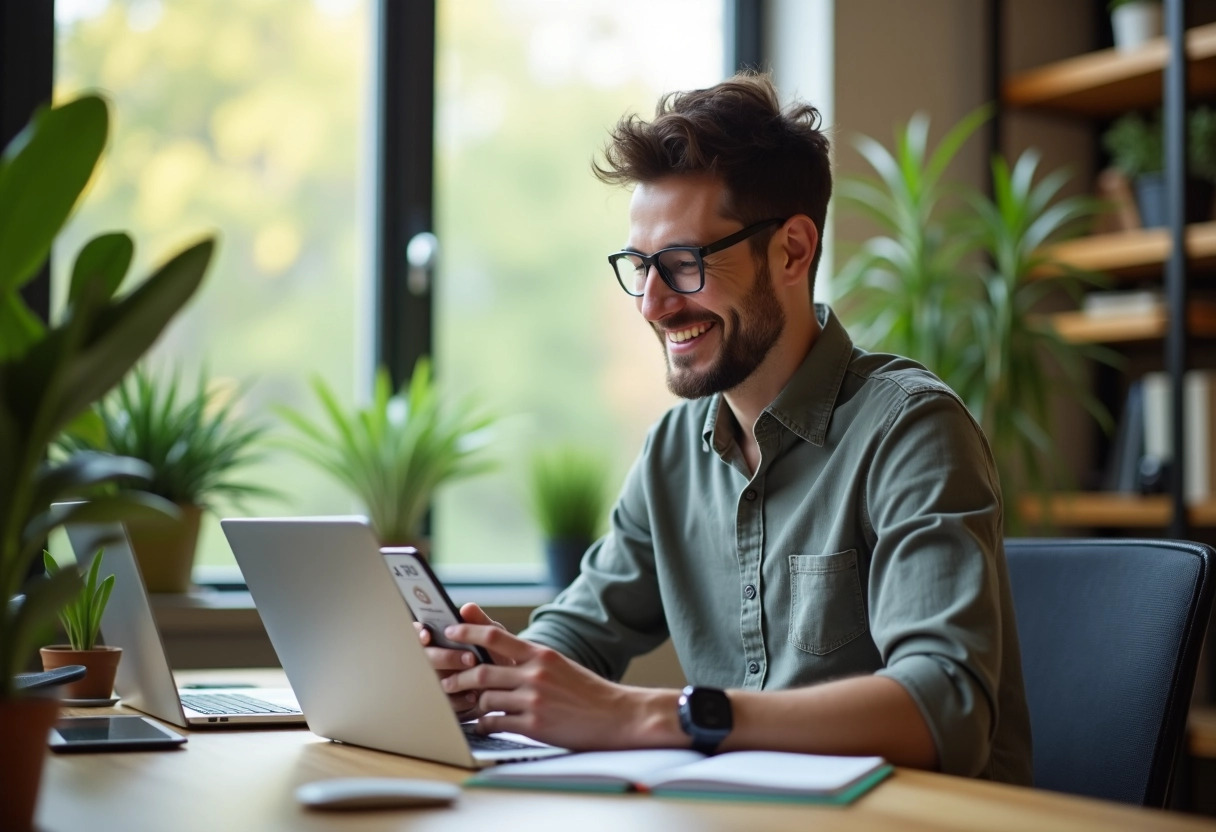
x=111, y=733
x=425, y=596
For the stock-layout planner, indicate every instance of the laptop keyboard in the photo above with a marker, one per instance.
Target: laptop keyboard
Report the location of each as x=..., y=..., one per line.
x=231, y=703
x=480, y=742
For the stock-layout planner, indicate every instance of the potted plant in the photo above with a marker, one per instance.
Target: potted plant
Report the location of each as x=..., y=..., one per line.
x=1137, y=147
x=394, y=453
x=569, y=498
x=192, y=440
x=81, y=620
x=49, y=375
x=1134, y=22
x=947, y=285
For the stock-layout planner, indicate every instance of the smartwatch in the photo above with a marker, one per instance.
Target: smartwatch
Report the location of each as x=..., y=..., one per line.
x=705, y=716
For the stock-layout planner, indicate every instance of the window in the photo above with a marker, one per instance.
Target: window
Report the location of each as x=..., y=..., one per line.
x=245, y=118
x=254, y=119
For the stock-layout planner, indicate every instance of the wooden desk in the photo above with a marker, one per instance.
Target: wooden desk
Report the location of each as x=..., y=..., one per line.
x=244, y=780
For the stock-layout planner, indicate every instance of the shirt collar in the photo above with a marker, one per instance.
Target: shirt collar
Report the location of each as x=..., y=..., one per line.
x=805, y=404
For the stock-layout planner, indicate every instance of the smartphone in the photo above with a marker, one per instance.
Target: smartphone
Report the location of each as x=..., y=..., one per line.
x=426, y=597
x=112, y=733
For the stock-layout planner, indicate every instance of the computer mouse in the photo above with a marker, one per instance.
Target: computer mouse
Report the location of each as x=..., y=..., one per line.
x=376, y=793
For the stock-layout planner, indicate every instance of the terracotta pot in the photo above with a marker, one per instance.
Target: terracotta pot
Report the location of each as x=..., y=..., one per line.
x=101, y=664
x=164, y=549
x=24, y=724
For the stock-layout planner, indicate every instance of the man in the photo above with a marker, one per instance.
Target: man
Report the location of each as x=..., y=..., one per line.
x=818, y=529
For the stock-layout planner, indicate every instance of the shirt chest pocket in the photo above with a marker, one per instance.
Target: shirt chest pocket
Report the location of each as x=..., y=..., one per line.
x=826, y=608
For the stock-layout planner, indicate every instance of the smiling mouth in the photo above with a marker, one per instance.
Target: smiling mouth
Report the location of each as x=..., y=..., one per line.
x=679, y=336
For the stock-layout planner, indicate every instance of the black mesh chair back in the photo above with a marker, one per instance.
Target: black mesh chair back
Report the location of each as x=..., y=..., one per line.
x=1110, y=632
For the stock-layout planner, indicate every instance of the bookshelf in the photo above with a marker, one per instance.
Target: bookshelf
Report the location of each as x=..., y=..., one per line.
x=1108, y=82
x=1094, y=86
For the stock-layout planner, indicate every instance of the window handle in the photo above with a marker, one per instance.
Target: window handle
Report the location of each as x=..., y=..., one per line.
x=422, y=253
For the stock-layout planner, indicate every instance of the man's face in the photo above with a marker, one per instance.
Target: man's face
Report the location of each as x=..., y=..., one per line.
x=715, y=339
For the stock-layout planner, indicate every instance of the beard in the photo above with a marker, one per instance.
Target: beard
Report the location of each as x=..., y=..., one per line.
x=755, y=327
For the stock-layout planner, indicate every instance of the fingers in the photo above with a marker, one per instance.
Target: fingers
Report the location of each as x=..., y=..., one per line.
x=470, y=613
x=443, y=659
x=480, y=678
x=506, y=648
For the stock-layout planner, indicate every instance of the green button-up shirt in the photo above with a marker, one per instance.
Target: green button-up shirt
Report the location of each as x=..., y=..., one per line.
x=869, y=540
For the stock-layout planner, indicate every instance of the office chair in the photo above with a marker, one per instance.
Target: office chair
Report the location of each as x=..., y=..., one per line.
x=1110, y=632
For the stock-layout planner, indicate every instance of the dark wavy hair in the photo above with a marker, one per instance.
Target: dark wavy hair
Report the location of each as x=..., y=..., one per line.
x=773, y=162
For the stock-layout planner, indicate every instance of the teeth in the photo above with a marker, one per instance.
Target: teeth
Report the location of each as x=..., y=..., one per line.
x=682, y=335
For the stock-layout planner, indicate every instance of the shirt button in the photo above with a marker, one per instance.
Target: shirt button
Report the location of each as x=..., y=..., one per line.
x=753, y=667
x=749, y=494
x=749, y=591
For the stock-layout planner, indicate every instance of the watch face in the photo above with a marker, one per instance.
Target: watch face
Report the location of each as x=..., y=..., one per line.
x=710, y=709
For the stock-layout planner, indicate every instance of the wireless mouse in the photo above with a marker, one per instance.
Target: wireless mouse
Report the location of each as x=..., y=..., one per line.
x=376, y=793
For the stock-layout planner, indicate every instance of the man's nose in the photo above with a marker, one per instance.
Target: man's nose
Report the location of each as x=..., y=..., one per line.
x=658, y=300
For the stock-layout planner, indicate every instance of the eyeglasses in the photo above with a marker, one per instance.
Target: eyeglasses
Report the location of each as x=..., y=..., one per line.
x=681, y=267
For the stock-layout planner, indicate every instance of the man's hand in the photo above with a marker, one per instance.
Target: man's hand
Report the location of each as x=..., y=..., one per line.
x=446, y=662
x=544, y=695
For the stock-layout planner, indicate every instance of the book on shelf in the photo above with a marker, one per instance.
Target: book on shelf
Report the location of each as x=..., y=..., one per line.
x=1123, y=463
x=1115, y=189
x=1123, y=302
x=673, y=772
x=1199, y=430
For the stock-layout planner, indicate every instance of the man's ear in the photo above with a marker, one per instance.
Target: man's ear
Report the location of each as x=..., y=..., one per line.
x=799, y=242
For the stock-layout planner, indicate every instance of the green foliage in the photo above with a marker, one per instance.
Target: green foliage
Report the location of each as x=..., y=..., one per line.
x=1136, y=143
x=81, y=618
x=192, y=440
x=1114, y=4
x=569, y=493
x=951, y=288
x=50, y=375
x=393, y=454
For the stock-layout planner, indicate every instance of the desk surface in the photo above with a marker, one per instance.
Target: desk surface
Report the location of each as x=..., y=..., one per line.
x=245, y=779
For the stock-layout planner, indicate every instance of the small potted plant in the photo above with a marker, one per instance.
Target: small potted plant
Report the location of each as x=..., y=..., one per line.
x=393, y=454
x=1136, y=145
x=570, y=496
x=81, y=620
x=1134, y=22
x=193, y=440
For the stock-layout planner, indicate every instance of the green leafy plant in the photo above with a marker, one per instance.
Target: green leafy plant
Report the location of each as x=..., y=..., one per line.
x=394, y=453
x=1136, y=143
x=569, y=493
x=81, y=618
x=50, y=375
x=949, y=285
x=193, y=440
x=1015, y=362
x=1114, y=4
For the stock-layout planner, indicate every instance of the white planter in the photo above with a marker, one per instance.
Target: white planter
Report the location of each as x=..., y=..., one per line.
x=1136, y=23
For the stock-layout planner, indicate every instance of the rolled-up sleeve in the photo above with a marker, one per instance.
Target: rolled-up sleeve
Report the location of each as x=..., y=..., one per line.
x=934, y=504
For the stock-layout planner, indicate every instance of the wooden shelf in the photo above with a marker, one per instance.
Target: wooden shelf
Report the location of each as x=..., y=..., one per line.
x=1133, y=254
x=1083, y=328
x=1103, y=510
x=1109, y=82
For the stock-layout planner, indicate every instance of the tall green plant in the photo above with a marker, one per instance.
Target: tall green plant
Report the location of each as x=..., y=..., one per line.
x=1016, y=363
x=902, y=288
x=50, y=375
x=394, y=453
x=191, y=439
x=949, y=285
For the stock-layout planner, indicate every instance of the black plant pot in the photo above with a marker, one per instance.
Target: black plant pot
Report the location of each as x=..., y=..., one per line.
x=564, y=558
x=1150, y=199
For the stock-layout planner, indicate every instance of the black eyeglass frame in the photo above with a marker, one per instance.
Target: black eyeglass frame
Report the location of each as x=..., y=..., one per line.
x=698, y=252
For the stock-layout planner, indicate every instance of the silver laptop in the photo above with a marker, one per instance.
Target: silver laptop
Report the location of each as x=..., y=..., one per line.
x=144, y=680
x=346, y=639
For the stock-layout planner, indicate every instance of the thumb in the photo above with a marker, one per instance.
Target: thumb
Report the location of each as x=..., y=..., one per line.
x=473, y=614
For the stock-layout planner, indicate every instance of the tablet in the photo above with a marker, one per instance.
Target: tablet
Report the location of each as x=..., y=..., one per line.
x=112, y=733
